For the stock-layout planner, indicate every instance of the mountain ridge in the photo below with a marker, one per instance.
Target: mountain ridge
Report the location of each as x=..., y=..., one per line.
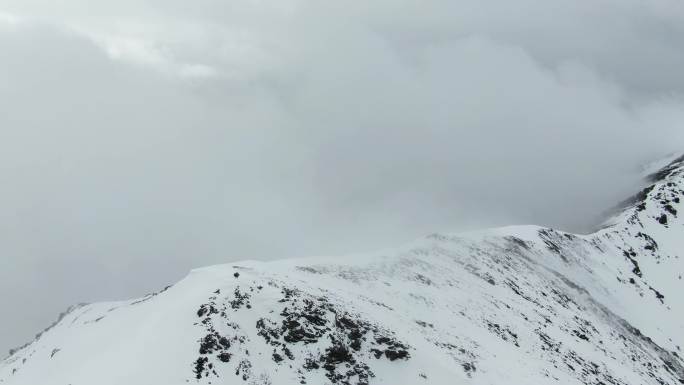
x=522, y=304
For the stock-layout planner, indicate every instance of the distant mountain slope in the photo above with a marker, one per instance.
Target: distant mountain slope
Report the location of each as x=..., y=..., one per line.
x=515, y=305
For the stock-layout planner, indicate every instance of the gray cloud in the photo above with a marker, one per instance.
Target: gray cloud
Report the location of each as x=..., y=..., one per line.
x=139, y=139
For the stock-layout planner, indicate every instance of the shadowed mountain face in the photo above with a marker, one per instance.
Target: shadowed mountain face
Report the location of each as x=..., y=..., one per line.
x=511, y=305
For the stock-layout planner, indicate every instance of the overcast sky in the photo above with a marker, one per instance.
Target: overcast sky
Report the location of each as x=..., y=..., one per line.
x=142, y=138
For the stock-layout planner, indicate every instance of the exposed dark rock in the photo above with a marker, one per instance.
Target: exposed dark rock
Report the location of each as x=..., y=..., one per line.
x=662, y=219
x=200, y=367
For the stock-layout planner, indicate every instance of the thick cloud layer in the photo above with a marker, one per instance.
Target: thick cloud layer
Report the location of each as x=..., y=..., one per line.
x=139, y=139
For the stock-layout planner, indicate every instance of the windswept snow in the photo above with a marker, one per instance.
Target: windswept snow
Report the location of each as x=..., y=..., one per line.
x=522, y=305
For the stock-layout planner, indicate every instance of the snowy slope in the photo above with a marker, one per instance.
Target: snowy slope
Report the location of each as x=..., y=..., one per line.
x=521, y=305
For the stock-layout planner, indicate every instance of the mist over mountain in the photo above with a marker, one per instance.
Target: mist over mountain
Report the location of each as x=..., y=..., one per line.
x=142, y=139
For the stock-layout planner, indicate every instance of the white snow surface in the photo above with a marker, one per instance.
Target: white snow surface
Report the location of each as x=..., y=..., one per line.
x=514, y=305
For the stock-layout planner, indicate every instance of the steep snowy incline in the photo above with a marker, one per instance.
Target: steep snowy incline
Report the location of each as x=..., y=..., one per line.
x=523, y=305
x=645, y=247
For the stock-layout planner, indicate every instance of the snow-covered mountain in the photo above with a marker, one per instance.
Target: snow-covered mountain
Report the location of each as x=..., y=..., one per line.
x=515, y=305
